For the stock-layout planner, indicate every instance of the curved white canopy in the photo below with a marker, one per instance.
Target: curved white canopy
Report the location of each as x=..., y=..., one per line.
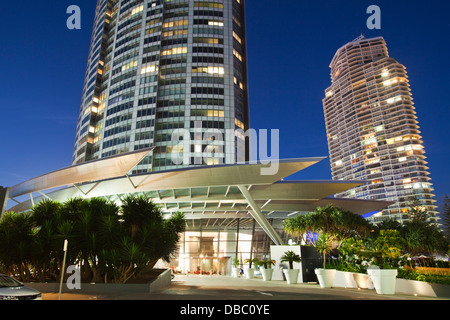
x=216, y=192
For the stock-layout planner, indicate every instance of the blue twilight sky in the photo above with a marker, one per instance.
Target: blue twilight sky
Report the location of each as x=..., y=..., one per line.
x=290, y=46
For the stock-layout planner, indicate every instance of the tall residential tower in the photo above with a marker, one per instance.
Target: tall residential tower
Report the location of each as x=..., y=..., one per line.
x=372, y=129
x=156, y=67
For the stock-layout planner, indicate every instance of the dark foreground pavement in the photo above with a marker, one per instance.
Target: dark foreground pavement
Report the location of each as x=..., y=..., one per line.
x=217, y=297
x=203, y=288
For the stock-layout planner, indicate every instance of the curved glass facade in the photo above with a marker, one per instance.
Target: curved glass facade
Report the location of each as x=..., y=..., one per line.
x=209, y=245
x=169, y=74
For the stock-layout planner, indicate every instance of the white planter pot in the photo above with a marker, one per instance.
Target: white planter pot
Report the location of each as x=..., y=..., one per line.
x=291, y=275
x=383, y=280
x=363, y=281
x=344, y=279
x=249, y=273
x=266, y=274
x=235, y=272
x=325, y=277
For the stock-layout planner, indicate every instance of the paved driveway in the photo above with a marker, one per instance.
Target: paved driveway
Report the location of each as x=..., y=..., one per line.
x=239, y=289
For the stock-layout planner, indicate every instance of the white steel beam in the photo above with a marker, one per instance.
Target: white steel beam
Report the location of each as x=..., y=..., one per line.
x=259, y=216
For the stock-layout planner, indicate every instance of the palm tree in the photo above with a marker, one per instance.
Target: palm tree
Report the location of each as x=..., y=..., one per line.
x=325, y=219
x=338, y=224
x=350, y=225
x=16, y=243
x=90, y=234
x=417, y=211
x=144, y=238
x=297, y=226
x=111, y=246
x=290, y=257
x=424, y=238
x=140, y=211
x=324, y=245
x=445, y=217
x=44, y=217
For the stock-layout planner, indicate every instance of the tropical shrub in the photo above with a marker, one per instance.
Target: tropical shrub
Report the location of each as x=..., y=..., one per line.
x=108, y=242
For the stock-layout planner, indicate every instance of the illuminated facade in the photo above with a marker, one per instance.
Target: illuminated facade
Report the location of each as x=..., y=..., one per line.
x=232, y=211
x=372, y=129
x=156, y=67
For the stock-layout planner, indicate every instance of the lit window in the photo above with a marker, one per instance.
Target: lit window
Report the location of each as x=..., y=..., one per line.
x=210, y=70
x=239, y=123
x=208, y=4
x=129, y=65
x=392, y=100
x=237, y=54
x=372, y=161
x=369, y=141
x=101, y=107
x=212, y=161
x=172, y=51
x=359, y=83
x=393, y=81
x=216, y=113
x=238, y=39
x=149, y=69
x=173, y=32
x=175, y=23
x=215, y=23
x=137, y=10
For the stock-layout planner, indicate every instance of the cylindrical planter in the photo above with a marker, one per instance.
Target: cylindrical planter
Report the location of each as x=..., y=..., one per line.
x=291, y=275
x=383, y=280
x=266, y=274
x=235, y=272
x=325, y=277
x=249, y=273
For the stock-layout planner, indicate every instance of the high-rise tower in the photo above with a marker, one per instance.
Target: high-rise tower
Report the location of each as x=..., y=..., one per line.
x=157, y=67
x=372, y=129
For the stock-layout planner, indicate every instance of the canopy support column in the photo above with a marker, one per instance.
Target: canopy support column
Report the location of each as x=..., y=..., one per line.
x=259, y=217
